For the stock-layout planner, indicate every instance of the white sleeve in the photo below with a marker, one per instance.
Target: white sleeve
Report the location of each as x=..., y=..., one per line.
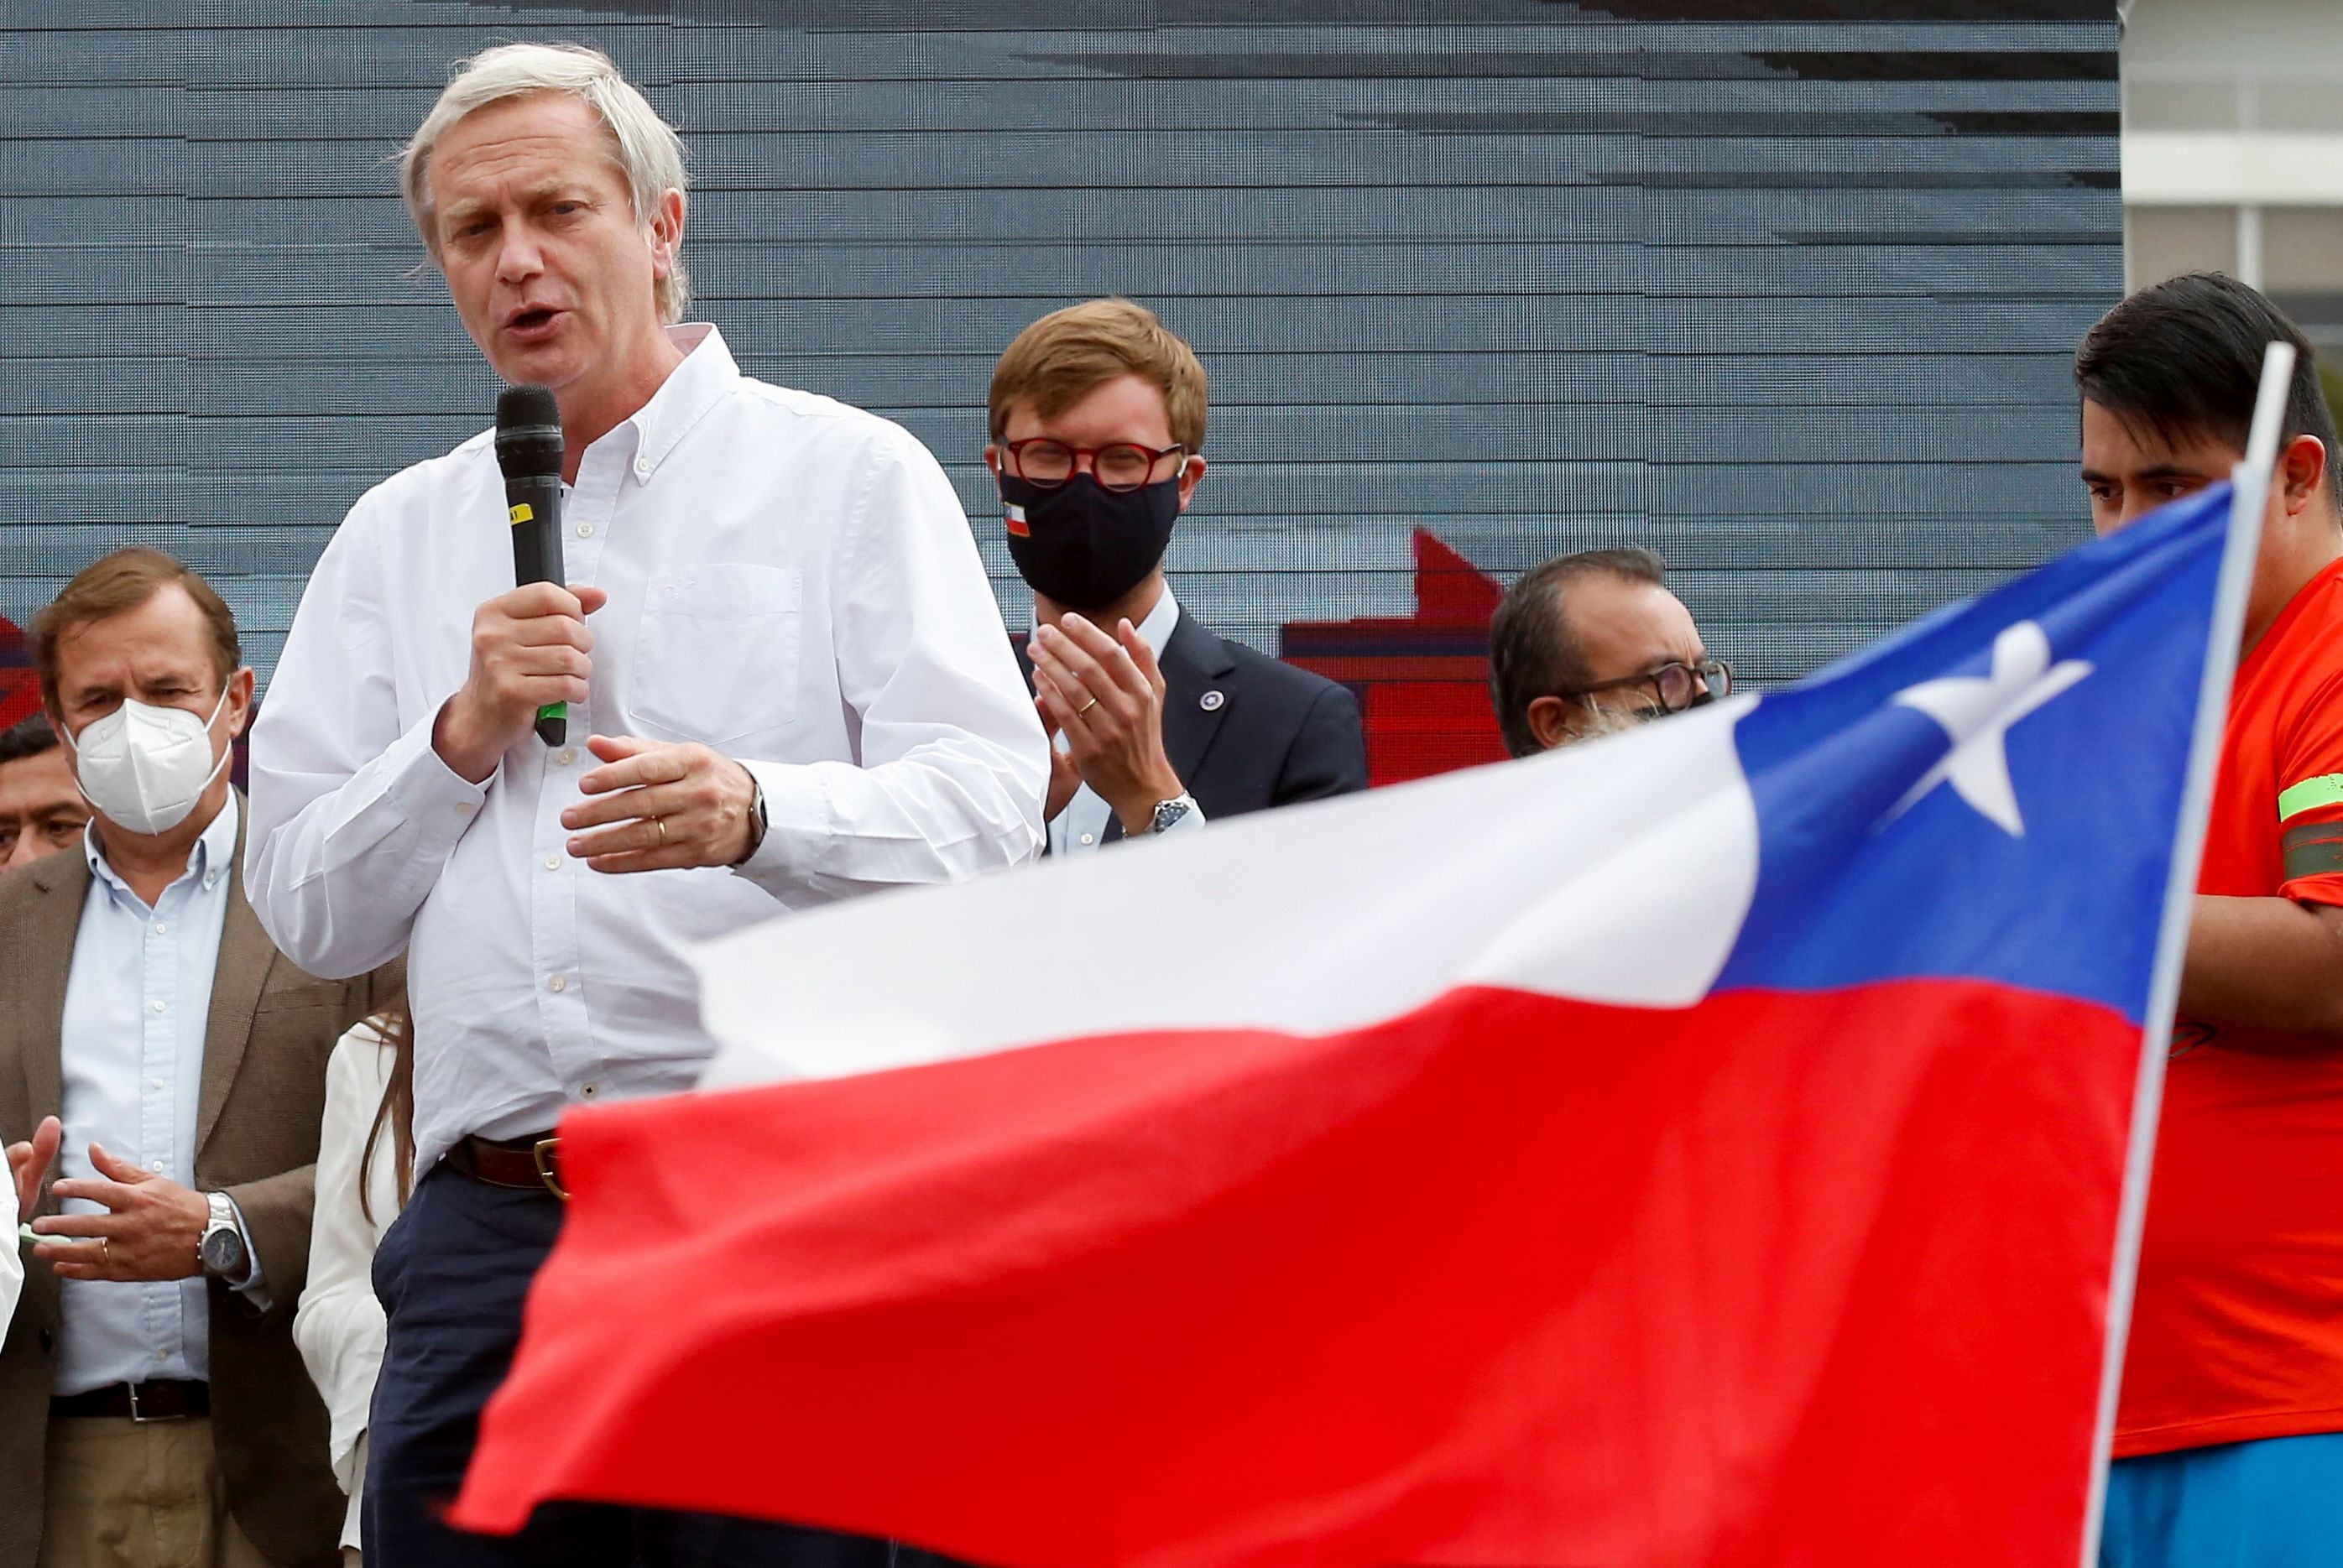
x=338, y=1324
x=12, y=1266
x=951, y=761
x=353, y=815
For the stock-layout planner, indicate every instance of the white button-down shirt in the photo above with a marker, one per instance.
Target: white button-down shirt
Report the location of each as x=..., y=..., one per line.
x=1081, y=828
x=791, y=581
x=132, y=1049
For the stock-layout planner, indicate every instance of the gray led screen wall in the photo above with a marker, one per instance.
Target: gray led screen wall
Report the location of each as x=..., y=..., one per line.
x=1782, y=288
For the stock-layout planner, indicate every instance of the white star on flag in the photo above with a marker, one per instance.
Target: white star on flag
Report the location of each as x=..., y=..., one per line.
x=1977, y=712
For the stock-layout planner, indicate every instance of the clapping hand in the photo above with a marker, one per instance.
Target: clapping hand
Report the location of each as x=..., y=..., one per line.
x=149, y=1231
x=1105, y=694
x=29, y=1162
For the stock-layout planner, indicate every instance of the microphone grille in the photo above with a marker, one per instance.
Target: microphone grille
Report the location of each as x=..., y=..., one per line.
x=529, y=431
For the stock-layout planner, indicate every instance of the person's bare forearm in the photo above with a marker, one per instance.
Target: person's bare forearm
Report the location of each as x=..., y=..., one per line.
x=2265, y=963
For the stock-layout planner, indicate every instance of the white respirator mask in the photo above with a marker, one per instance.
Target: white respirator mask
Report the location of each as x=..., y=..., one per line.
x=146, y=767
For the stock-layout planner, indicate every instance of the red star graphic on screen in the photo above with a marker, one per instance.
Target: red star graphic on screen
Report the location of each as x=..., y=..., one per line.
x=1422, y=681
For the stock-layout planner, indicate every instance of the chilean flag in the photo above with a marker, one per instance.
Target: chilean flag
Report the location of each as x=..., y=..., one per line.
x=1720, y=1144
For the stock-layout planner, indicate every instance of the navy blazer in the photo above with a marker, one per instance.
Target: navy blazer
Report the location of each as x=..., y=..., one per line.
x=1245, y=731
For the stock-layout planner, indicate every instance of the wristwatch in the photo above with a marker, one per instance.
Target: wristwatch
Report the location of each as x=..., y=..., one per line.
x=1170, y=811
x=756, y=822
x=223, y=1250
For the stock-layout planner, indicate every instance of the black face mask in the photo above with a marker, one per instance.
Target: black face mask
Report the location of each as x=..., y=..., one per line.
x=1083, y=546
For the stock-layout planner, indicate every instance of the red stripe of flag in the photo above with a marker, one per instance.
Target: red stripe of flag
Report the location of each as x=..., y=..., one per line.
x=1510, y=1279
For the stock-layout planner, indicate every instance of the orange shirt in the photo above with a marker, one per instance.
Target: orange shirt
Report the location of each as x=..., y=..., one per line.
x=2237, y=1327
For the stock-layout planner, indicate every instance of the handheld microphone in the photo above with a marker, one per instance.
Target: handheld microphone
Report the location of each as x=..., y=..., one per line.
x=529, y=450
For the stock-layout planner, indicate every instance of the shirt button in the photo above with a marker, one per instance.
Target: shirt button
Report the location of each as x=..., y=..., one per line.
x=643, y=467
x=160, y=928
x=591, y=1091
x=156, y=1167
x=162, y=1355
x=159, y=1007
x=154, y=1083
x=585, y=530
x=564, y=757
x=559, y=982
x=1088, y=840
x=553, y=863
x=463, y=808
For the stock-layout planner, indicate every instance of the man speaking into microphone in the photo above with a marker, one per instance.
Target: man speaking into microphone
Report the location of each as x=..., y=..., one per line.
x=786, y=682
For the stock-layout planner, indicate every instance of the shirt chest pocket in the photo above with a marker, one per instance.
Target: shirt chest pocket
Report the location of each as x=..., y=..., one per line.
x=716, y=655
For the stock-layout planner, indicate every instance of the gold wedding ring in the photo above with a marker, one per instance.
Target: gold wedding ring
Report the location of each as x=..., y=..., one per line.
x=1085, y=708
x=104, y=1253
x=661, y=823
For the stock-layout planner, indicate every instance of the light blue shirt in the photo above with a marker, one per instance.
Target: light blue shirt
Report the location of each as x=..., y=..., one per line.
x=132, y=1048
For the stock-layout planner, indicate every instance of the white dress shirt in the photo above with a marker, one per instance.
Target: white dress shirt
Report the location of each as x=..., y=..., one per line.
x=791, y=581
x=338, y=1325
x=1081, y=828
x=12, y=1266
x=132, y=1049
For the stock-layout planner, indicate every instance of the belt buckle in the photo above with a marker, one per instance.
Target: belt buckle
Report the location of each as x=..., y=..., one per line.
x=144, y=1420
x=542, y=1152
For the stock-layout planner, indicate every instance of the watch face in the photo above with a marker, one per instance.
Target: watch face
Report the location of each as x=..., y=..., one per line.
x=223, y=1251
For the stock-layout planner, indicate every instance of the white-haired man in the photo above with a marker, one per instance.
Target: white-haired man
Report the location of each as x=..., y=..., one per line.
x=798, y=688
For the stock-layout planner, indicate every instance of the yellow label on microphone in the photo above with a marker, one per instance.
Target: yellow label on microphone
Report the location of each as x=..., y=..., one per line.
x=522, y=514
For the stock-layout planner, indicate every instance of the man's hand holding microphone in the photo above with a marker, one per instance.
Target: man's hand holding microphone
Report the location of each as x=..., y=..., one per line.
x=531, y=648
x=657, y=805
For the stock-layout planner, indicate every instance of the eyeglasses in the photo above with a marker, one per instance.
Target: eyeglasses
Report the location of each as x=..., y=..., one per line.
x=1673, y=687
x=1118, y=465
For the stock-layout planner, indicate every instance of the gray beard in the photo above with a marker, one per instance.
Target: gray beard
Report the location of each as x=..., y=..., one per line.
x=1603, y=721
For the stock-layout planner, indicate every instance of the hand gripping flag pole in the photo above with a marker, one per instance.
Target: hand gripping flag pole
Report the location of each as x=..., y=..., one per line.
x=2249, y=488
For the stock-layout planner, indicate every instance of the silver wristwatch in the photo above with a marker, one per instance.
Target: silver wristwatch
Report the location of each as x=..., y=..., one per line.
x=223, y=1250
x=1170, y=811
x=758, y=823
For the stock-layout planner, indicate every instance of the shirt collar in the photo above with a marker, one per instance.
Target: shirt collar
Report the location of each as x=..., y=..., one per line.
x=1155, y=631
x=691, y=389
x=208, y=861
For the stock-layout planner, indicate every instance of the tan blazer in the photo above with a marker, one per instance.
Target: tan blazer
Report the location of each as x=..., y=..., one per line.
x=265, y=1043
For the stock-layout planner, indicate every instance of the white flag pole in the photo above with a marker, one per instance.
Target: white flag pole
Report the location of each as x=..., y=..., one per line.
x=2249, y=486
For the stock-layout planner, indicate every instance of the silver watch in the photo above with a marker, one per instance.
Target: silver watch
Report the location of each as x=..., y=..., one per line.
x=758, y=822
x=1170, y=811
x=223, y=1250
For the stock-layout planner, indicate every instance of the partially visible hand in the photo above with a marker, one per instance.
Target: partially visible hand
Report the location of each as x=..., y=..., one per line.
x=150, y=1229
x=660, y=805
x=29, y=1163
x=1064, y=777
x=529, y=648
x=1107, y=694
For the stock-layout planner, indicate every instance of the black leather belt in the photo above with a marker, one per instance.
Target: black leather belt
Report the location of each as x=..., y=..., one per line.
x=162, y=1399
x=528, y=1164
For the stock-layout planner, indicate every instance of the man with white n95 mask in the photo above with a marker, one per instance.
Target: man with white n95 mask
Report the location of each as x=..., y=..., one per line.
x=787, y=682
x=165, y=1064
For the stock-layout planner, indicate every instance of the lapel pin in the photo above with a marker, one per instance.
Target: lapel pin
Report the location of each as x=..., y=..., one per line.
x=1210, y=702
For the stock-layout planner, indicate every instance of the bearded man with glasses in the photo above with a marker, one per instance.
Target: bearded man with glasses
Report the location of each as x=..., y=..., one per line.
x=1592, y=644
x=1156, y=724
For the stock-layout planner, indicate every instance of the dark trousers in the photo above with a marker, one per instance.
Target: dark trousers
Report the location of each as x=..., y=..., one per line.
x=452, y=1272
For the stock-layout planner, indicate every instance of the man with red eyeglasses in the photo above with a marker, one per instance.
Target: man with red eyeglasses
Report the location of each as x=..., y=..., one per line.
x=1158, y=726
